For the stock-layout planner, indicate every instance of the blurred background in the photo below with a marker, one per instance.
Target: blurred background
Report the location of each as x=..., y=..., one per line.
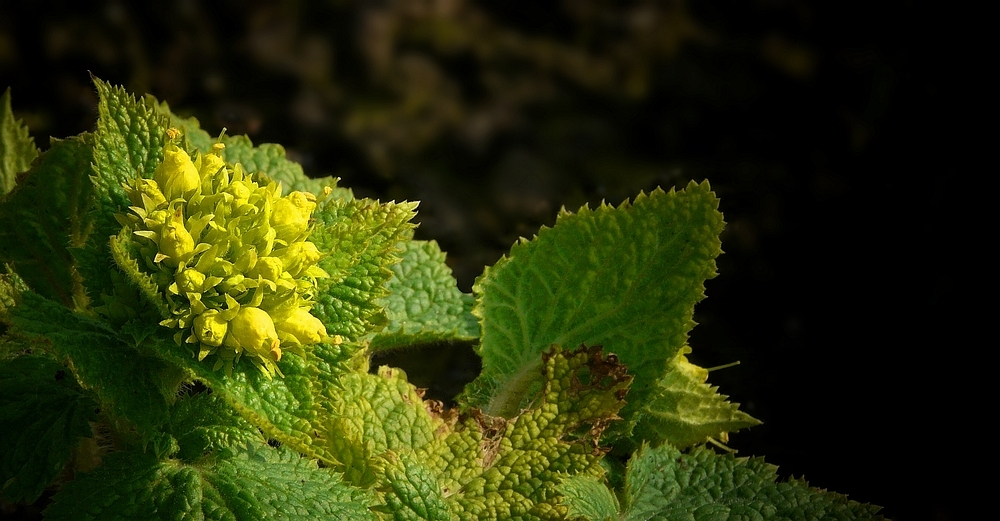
x=822, y=126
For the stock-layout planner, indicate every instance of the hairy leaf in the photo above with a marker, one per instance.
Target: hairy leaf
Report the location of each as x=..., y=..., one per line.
x=411, y=490
x=128, y=143
x=44, y=414
x=664, y=483
x=17, y=148
x=133, y=388
x=359, y=239
x=49, y=208
x=204, y=423
x=684, y=410
x=424, y=304
x=370, y=415
x=588, y=498
x=243, y=485
x=626, y=278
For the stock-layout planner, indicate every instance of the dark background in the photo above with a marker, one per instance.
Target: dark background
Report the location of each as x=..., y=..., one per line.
x=825, y=127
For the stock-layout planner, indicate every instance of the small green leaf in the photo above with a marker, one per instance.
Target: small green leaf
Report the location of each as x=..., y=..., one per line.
x=626, y=278
x=424, y=304
x=44, y=414
x=17, y=148
x=664, y=483
x=133, y=388
x=359, y=238
x=684, y=410
x=245, y=485
x=588, y=498
x=49, y=208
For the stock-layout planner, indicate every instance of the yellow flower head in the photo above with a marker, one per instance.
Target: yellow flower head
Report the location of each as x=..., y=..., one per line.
x=231, y=256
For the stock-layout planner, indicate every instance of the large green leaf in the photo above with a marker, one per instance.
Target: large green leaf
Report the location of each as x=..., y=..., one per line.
x=238, y=485
x=17, y=149
x=128, y=143
x=684, y=410
x=131, y=387
x=589, y=498
x=44, y=414
x=424, y=304
x=45, y=215
x=664, y=483
x=626, y=278
x=359, y=238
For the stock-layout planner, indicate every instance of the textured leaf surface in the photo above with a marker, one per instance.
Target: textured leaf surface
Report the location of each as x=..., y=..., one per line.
x=424, y=304
x=128, y=143
x=205, y=423
x=44, y=413
x=262, y=484
x=283, y=407
x=588, y=498
x=45, y=215
x=132, y=387
x=359, y=239
x=371, y=414
x=626, y=278
x=412, y=491
x=17, y=149
x=684, y=410
x=520, y=463
x=664, y=483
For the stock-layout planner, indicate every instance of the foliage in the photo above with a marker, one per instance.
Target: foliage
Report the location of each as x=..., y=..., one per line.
x=159, y=246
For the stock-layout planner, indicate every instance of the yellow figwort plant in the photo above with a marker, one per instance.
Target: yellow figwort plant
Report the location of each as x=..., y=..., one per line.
x=146, y=312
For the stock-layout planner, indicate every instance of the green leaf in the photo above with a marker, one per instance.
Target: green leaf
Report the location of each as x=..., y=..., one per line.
x=131, y=387
x=128, y=143
x=17, y=148
x=370, y=415
x=588, y=498
x=411, y=490
x=359, y=238
x=684, y=410
x=204, y=423
x=11, y=288
x=246, y=485
x=626, y=278
x=283, y=407
x=44, y=414
x=424, y=304
x=45, y=215
x=664, y=483
x=492, y=468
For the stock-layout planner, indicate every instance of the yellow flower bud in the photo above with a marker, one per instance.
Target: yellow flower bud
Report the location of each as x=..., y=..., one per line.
x=210, y=328
x=290, y=216
x=190, y=280
x=270, y=268
x=298, y=256
x=146, y=194
x=303, y=326
x=253, y=330
x=210, y=164
x=176, y=175
x=175, y=241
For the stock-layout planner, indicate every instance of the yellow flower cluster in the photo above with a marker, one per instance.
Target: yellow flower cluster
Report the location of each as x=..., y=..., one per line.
x=231, y=257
